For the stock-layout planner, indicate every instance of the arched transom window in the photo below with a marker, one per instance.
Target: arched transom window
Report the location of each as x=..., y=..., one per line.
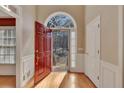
x=59, y=21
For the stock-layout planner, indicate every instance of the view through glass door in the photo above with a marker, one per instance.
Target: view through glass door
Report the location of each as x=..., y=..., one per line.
x=60, y=50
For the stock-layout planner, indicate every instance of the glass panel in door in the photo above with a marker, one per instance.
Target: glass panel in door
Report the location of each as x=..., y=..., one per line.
x=60, y=50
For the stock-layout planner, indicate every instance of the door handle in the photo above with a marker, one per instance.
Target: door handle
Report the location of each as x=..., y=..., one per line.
x=36, y=63
x=36, y=51
x=37, y=60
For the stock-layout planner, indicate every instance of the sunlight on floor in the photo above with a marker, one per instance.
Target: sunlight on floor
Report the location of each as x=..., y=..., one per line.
x=53, y=80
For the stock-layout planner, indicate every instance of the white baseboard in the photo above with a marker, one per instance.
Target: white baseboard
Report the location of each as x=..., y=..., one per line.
x=109, y=75
x=28, y=69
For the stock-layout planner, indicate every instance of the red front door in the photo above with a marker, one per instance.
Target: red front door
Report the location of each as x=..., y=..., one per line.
x=42, y=51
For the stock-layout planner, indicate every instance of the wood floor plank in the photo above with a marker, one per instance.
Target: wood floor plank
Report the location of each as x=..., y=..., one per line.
x=76, y=80
x=7, y=81
x=53, y=80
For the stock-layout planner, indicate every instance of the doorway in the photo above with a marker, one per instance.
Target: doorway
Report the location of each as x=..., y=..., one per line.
x=64, y=23
x=60, y=49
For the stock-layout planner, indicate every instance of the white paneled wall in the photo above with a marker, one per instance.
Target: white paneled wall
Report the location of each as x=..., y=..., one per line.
x=28, y=68
x=28, y=18
x=109, y=75
x=79, y=63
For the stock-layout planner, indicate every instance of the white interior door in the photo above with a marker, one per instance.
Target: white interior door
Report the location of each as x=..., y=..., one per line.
x=92, y=59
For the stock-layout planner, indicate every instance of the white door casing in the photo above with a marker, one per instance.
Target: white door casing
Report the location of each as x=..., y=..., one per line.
x=92, y=58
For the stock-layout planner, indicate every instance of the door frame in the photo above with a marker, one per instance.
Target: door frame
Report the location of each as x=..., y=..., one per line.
x=18, y=26
x=71, y=29
x=120, y=45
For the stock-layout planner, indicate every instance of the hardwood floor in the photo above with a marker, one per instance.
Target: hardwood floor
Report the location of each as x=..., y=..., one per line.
x=30, y=83
x=7, y=81
x=69, y=80
x=53, y=80
x=64, y=80
x=76, y=80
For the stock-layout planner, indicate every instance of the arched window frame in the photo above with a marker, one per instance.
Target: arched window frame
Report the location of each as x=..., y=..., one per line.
x=59, y=21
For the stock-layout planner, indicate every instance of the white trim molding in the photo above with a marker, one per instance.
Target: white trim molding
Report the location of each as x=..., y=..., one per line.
x=120, y=45
x=109, y=75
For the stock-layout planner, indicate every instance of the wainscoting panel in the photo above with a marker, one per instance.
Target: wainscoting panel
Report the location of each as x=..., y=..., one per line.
x=109, y=75
x=79, y=63
x=28, y=68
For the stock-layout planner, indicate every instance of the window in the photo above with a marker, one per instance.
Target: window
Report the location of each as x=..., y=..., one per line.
x=59, y=21
x=7, y=45
x=73, y=49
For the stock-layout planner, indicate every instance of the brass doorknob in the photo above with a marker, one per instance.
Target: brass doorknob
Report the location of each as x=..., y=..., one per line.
x=36, y=51
x=36, y=63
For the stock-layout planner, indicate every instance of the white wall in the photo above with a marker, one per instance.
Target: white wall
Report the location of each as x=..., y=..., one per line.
x=79, y=63
x=7, y=69
x=109, y=30
x=109, y=44
x=28, y=16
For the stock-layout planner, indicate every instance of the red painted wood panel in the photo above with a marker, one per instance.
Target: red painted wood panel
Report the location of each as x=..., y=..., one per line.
x=42, y=51
x=7, y=21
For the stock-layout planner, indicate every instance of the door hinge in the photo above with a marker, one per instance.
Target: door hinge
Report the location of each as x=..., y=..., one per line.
x=98, y=77
x=98, y=25
x=98, y=51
